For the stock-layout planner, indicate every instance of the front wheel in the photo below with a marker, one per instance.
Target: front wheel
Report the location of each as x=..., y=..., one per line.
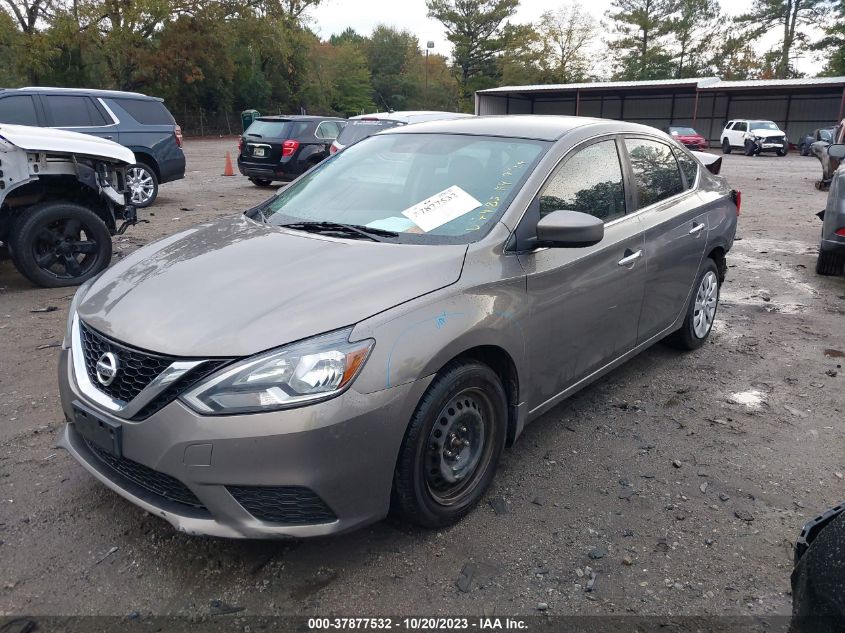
x=749, y=148
x=726, y=146
x=261, y=182
x=783, y=151
x=701, y=311
x=142, y=184
x=57, y=244
x=452, y=445
x=805, y=149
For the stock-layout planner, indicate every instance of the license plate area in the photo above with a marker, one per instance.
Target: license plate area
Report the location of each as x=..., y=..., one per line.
x=259, y=152
x=104, y=434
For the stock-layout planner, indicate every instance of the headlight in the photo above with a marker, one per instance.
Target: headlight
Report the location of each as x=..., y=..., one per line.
x=315, y=369
x=74, y=304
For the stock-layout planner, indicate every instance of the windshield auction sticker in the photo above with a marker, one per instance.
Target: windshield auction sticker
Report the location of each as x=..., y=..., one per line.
x=441, y=208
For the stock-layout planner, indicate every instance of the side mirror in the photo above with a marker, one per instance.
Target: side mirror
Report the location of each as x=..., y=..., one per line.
x=837, y=150
x=570, y=228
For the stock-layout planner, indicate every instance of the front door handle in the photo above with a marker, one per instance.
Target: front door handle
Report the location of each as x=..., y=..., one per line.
x=630, y=258
x=696, y=229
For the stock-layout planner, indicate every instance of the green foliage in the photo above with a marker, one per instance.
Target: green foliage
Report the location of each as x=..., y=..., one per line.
x=642, y=47
x=832, y=45
x=475, y=30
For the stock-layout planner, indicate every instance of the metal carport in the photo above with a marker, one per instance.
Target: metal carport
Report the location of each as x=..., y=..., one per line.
x=797, y=105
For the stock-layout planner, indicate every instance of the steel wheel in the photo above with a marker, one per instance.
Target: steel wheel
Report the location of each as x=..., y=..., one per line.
x=458, y=447
x=141, y=184
x=706, y=298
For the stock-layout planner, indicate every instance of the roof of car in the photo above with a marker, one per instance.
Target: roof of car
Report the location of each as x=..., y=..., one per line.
x=298, y=117
x=531, y=126
x=83, y=91
x=410, y=116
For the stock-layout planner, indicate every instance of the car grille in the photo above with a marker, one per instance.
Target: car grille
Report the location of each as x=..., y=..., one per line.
x=291, y=505
x=151, y=480
x=137, y=368
x=773, y=139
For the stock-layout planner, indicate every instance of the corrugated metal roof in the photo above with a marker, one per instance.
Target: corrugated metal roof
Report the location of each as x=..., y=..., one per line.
x=702, y=83
x=604, y=85
x=776, y=83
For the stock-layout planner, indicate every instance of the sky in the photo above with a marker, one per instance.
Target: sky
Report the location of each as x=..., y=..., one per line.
x=333, y=16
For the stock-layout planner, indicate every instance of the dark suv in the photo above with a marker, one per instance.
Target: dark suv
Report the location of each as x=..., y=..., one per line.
x=138, y=122
x=283, y=147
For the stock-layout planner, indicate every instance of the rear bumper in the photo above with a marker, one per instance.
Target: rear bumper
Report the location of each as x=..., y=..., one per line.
x=172, y=168
x=267, y=172
x=833, y=243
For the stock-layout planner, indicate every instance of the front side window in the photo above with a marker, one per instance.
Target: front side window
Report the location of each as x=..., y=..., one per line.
x=655, y=170
x=427, y=188
x=18, y=110
x=741, y=127
x=590, y=182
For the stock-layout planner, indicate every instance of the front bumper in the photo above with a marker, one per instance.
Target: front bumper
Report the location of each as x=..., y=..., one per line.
x=342, y=450
x=770, y=146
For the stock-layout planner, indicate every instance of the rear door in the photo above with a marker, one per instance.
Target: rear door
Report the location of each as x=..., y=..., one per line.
x=79, y=113
x=675, y=228
x=20, y=110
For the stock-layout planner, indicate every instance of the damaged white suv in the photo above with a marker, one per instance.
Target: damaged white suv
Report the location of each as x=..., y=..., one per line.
x=61, y=200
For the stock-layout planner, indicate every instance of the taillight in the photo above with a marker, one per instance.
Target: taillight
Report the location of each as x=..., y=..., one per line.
x=332, y=149
x=177, y=132
x=737, y=198
x=840, y=232
x=289, y=147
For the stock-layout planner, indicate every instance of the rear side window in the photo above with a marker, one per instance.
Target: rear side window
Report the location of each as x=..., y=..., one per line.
x=74, y=111
x=18, y=110
x=278, y=128
x=361, y=129
x=590, y=182
x=655, y=170
x=689, y=166
x=146, y=111
x=328, y=130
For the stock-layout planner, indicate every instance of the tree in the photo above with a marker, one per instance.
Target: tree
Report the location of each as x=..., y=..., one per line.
x=474, y=27
x=389, y=55
x=734, y=59
x=643, y=26
x=789, y=16
x=832, y=45
x=693, y=30
x=566, y=36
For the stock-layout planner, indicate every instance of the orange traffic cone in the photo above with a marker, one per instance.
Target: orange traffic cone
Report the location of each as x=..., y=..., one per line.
x=228, y=171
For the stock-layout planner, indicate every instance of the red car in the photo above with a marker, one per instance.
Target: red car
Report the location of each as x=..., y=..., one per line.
x=687, y=137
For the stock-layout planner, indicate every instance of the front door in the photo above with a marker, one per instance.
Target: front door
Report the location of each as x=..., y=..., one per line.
x=585, y=302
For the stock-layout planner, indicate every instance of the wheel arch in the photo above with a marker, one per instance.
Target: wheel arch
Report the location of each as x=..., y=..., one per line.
x=718, y=255
x=145, y=157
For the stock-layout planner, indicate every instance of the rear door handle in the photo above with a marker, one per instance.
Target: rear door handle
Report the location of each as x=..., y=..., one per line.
x=630, y=259
x=696, y=229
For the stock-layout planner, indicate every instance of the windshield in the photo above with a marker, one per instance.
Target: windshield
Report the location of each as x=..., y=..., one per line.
x=683, y=131
x=276, y=128
x=763, y=125
x=360, y=129
x=427, y=188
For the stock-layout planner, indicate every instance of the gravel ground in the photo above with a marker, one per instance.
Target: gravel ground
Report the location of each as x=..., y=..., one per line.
x=679, y=480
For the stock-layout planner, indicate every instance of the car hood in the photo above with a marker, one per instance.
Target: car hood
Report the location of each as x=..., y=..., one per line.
x=39, y=139
x=235, y=287
x=767, y=133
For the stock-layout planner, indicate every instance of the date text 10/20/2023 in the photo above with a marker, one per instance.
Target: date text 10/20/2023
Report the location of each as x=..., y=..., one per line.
x=418, y=623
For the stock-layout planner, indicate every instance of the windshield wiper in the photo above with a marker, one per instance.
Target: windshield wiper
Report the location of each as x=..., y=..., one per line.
x=367, y=232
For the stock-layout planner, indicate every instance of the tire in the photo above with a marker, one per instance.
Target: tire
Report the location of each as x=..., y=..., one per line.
x=261, y=182
x=699, y=318
x=49, y=249
x=726, y=146
x=142, y=184
x=805, y=149
x=749, y=148
x=830, y=263
x=465, y=401
x=783, y=152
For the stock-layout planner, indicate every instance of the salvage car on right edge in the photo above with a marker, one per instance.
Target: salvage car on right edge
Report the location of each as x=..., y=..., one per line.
x=375, y=333
x=831, y=259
